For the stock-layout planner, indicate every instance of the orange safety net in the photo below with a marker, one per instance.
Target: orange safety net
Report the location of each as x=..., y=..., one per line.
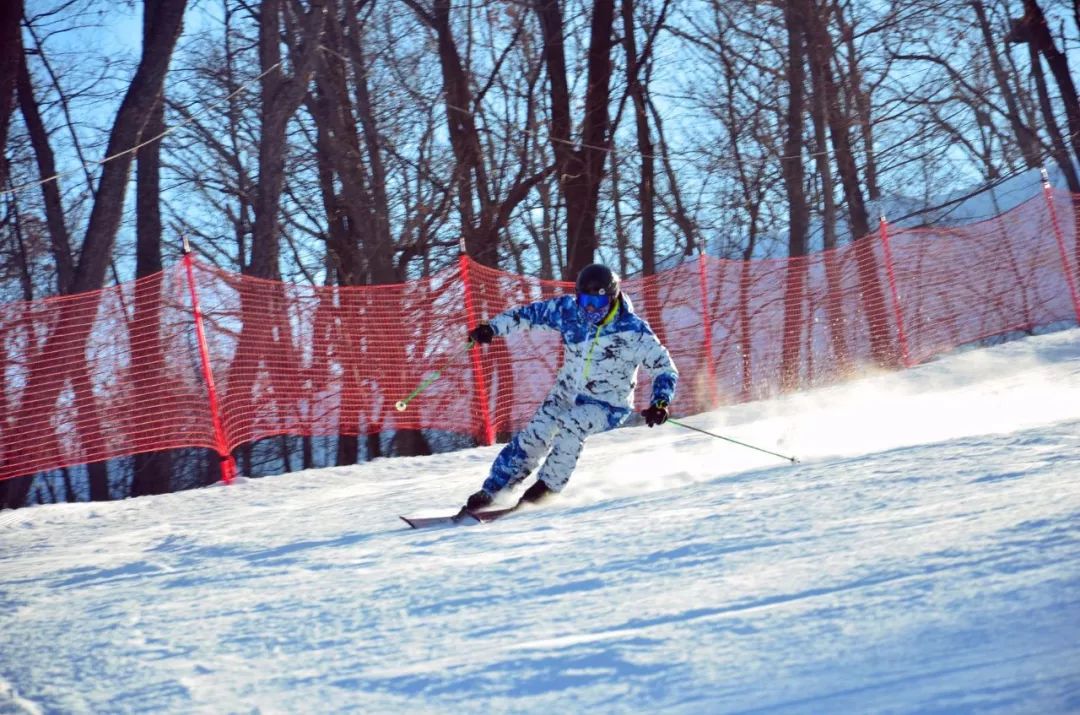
x=121, y=371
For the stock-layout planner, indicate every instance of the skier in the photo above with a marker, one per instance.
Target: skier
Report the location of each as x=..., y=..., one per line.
x=604, y=343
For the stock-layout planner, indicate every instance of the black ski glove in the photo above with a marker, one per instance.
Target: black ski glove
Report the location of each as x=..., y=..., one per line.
x=656, y=413
x=482, y=333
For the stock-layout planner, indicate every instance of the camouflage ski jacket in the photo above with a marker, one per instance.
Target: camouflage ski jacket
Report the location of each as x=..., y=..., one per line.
x=600, y=362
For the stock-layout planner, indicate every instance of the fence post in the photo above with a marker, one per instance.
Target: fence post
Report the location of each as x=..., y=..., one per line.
x=706, y=322
x=1069, y=279
x=488, y=436
x=890, y=270
x=228, y=463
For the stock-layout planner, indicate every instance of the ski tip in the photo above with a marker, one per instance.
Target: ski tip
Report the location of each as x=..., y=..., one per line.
x=424, y=522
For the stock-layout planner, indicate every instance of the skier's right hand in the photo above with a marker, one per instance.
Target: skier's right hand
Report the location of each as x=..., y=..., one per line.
x=482, y=333
x=655, y=414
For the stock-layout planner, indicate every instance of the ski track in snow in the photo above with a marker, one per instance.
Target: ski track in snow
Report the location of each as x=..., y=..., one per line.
x=924, y=557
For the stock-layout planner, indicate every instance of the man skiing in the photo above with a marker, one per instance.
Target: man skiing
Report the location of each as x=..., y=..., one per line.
x=604, y=343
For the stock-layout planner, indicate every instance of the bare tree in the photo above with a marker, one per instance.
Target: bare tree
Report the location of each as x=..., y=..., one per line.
x=796, y=16
x=350, y=156
x=827, y=208
x=637, y=80
x=968, y=99
x=358, y=243
x=1032, y=29
x=1058, y=147
x=50, y=185
x=142, y=96
x=1026, y=138
x=580, y=165
x=484, y=213
x=636, y=89
x=151, y=471
x=281, y=95
x=821, y=49
x=10, y=61
x=212, y=151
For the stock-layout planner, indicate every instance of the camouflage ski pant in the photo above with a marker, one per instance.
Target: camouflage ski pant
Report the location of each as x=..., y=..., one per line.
x=557, y=431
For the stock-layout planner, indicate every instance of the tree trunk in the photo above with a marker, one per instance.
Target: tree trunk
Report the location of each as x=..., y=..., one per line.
x=379, y=246
x=348, y=450
x=142, y=99
x=142, y=96
x=373, y=446
x=355, y=153
x=281, y=95
x=87, y=411
x=646, y=186
x=677, y=210
x=819, y=113
x=861, y=104
x=349, y=214
x=746, y=332
x=10, y=61
x=580, y=170
x=59, y=238
x=1026, y=139
x=821, y=50
x=19, y=485
x=22, y=258
x=1058, y=148
x=264, y=341
x=470, y=175
x=798, y=210
x=152, y=471
x=483, y=214
x=274, y=113
x=410, y=443
x=242, y=221
x=1033, y=29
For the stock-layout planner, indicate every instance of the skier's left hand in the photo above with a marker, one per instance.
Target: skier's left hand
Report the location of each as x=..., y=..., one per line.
x=482, y=333
x=656, y=413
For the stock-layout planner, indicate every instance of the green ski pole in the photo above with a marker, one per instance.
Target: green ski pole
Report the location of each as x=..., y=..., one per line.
x=403, y=404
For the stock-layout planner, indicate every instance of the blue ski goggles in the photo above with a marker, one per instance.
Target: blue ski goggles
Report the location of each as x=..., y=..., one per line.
x=596, y=307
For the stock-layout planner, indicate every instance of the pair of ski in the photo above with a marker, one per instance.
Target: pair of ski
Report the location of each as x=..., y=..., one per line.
x=462, y=518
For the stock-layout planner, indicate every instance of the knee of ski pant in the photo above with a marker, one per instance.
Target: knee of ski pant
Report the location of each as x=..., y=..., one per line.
x=561, y=461
x=592, y=417
x=616, y=417
x=526, y=448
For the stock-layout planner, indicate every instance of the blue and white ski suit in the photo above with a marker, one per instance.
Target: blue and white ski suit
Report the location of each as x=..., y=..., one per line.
x=593, y=390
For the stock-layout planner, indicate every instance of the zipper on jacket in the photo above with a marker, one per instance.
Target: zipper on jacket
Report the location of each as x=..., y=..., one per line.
x=596, y=336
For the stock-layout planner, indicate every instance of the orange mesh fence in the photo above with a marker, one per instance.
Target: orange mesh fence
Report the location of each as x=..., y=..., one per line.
x=123, y=370
x=98, y=375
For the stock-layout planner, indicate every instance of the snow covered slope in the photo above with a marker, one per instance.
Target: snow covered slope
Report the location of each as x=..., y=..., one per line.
x=923, y=557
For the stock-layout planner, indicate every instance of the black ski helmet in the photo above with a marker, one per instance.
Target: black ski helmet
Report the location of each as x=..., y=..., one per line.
x=597, y=279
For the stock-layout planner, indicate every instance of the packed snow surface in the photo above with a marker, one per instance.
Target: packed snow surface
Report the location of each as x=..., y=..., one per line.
x=924, y=556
